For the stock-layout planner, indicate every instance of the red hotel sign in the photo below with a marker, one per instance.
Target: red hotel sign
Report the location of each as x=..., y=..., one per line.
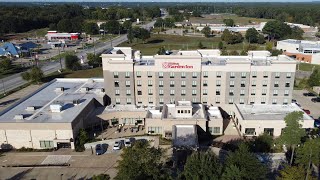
x=172, y=65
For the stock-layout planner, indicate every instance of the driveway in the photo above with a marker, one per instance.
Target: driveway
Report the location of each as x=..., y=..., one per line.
x=306, y=103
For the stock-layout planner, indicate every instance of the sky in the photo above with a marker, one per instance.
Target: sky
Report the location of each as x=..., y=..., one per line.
x=182, y=1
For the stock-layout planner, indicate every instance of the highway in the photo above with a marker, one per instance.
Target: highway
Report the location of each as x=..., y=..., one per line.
x=14, y=81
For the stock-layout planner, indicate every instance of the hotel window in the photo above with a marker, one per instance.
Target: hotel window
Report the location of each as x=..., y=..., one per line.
x=286, y=92
x=171, y=83
x=117, y=92
x=264, y=83
x=241, y=101
x=172, y=92
x=128, y=100
x=268, y=131
x=275, y=92
x=46, y=144
x=156, y=130
x=171, y=100
x=194, y=83
x=250, y=131
x=276, y=84
x=243, y=83
x=138, y=74
x=183, y=99
x=285, y=101
x=277, y=75
x=194, y=92
x=205, y=74
x=287, y=84
x=231, y=92
x=160, y=74
x=231, y=83
x=205, y=91
x=194, y=100
x=274, y=101
x=254, y=74
x=288, y=75
x=116, y=84
x=232, y=75
x=218, y=83
x=127, y=74
x=139, y=100
x=194, y=74
x=115, y=74
x=265, y=74
x=161, y=92
x=217, y=100
x=183, y=75
x=205, y=83
x=264, y=92
x=149, y=73
x=183, y=92
x=127, y=83
x=218, y=92
x=150, y=92
x=263, y=100
x=218, y=74
x=171, y=74
x=150, y=100
x=160, y=83
x=139, y=92
x=150, y=83
x=253, y=83
x=204, y=100
x=160, y=100
x=216, y=130
x=183, y=83
x=242, y=92
x=231, y=101
x=243, y=75
x=252, y=100
x=128, y=92
x=117, y=100
x=138, y=82
x=253, y=92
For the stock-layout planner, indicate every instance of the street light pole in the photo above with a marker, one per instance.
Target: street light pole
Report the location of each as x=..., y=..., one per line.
x=60, y=57
x=4, y=89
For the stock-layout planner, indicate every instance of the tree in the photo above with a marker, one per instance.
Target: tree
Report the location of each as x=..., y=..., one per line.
x=230, y=37
x=161, y=51
x=82, y=138
x=35, y=75
x=220, y=45
x=261, y=39
x=243, y=164
x=309, y=153
x=276, y=29
x=314, y=79
x=200, y=45
x=234, y=53
x=202, y=165
x=252, y=35
x=72, y=62
x=112, y=27
x=291, y=173
x=141, y=33
x=140, y=162
x=229, y=22
x=94, y=60
x=262, y=144
x=292, y=133
x=101, y=177
x=127, y=25
x=226, y=36
x=91, y=28
x=64, y=25
x=5, y=64
x=206, y=31
x=130, y=35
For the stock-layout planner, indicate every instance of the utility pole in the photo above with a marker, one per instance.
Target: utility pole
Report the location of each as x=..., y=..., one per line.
x=60, y=56
x=4, y=88
x=94, y=47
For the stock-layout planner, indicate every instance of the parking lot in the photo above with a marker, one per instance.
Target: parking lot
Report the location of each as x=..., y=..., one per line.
x=306, y=103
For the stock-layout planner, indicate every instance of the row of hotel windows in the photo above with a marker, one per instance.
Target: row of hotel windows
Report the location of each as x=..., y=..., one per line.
x=204, y=100
x=205, y=74
x=205, y=92
x=205, y=83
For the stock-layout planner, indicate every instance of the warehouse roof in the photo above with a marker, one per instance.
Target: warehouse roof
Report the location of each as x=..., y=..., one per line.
x=59, y=101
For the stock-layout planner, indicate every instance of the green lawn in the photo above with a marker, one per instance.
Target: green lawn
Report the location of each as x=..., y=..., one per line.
x=307, y=67
x=176, y=42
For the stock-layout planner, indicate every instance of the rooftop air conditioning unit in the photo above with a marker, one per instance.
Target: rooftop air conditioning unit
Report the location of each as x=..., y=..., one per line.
x=56, y=108
x=31, y=108
x=84, y=89
x=59, y=89
x=76, y=101
x=102, y=90
x=19, y=117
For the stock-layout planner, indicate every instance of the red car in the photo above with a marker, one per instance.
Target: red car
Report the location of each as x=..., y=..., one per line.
x=307, y=111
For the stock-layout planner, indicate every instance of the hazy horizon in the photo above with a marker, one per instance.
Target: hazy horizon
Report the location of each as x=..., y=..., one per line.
x=179, y=1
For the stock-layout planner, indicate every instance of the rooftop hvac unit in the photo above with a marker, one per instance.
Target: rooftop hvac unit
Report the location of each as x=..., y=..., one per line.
x=59, y=89
x=76, y=101
x=102, y=90
x=55, y=108
x=31, y=108
x=84, y=89
x=18, y=117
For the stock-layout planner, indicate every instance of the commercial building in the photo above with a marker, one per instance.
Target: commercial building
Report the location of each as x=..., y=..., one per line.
x=240, y=29
x=10, y=50
x=253, y=120
x=301, y=50
x=52, y=116
x=55, y=36
x=200, y=76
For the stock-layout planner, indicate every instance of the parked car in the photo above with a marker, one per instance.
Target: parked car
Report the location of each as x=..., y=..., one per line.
x=317, y=99
x=306, y=111
x=99, y=149
x=316, y=123
x=117, y=145
x=127, y=143
x=309, y=94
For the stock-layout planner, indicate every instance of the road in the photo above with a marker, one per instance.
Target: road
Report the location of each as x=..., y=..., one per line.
x=14, y=81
